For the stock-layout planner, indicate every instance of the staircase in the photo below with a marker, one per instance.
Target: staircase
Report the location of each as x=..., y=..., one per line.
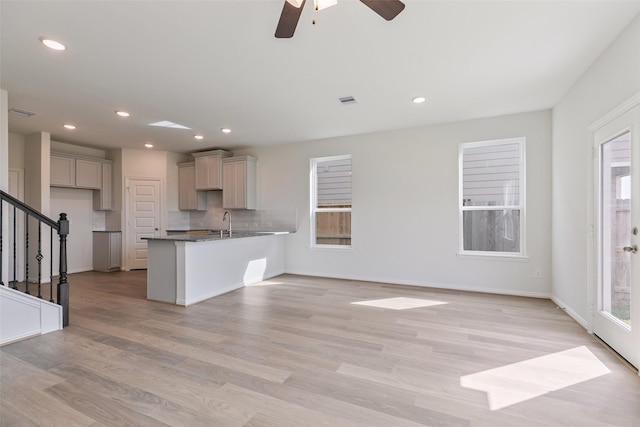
x=27, y=304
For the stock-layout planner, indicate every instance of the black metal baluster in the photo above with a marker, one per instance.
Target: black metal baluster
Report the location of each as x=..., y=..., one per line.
x=51, y=264
x=15, y=252
x=39, y=258
x=61, y=227
x=26, y=253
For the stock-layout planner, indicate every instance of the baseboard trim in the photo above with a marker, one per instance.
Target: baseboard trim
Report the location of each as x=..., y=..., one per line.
x=575, y=316
x=512, y=292
x=21, y=337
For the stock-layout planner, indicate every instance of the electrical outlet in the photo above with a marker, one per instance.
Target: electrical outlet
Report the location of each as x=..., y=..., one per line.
x=537, y=273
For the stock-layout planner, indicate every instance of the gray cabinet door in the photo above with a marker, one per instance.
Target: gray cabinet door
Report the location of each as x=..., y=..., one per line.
x=107, y=251
x=63, y=171
x=88, y=174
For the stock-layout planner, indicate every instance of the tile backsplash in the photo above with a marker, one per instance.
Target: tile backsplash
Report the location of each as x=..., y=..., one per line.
x=113, y=220
x=256, y=220
x=106, y=221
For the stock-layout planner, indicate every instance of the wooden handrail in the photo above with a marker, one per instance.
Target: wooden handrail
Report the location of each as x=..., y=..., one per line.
x=28, y=209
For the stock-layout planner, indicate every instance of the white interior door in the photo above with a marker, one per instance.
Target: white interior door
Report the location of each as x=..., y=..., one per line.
x=617, y=315
x=143, y=219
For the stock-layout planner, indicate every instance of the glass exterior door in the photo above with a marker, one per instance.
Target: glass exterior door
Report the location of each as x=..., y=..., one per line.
x=616, y=315
x=615, y=196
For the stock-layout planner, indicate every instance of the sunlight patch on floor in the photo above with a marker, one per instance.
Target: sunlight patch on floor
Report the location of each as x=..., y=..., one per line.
x=518, y=382
x=400, y=303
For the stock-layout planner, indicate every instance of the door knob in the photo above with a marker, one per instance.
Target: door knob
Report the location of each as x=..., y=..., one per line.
x=633, y=249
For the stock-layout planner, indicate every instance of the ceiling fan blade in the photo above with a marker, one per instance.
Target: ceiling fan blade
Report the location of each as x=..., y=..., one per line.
x=388, y=9
x=288, y=20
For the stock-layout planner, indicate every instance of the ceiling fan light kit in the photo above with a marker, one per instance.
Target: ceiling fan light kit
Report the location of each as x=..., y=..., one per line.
x=292, y=9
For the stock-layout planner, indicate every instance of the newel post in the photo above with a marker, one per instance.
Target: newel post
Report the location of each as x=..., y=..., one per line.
x=63, y=285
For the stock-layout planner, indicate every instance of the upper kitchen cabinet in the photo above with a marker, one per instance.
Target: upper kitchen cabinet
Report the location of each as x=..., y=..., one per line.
x=239, y=182
x=209, y=169
x=103, y=199
x=63, y=171
x=72, y=171
x=188, y=198
x=88, y=174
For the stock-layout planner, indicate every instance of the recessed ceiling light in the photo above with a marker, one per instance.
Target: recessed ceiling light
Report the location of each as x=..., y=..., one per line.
x=52, y=44
x=70, y=127
x=198, y=137
x=122, y=113
x=418, y=99
x=148, y=145
x=225, y=130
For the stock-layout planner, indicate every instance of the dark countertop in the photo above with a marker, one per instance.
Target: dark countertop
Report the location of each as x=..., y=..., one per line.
x=215, y=236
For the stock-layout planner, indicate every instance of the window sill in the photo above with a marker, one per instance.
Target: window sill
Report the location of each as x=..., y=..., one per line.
x=331, y=248
x=494, y=257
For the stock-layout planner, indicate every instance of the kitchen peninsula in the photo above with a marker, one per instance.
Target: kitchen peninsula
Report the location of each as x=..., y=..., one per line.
x=186, y=269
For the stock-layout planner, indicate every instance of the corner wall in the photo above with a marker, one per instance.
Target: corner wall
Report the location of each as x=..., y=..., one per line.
x=611, y=80
x=405, y=206
x=4, y=172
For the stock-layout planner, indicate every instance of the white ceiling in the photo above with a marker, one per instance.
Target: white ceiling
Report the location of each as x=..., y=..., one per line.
x=214, y=64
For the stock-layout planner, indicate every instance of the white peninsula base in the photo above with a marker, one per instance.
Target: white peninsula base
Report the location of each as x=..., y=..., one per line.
x=187, y=271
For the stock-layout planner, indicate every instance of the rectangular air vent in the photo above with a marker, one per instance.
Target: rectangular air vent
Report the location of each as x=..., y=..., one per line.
x=20, y=112
x=345, y=100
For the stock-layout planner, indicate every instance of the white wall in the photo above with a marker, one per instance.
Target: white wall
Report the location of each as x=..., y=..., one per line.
x=4, y=171
x=405, y=206
x=78, y=205
x=612, y=79
x=78, y=150
x=16, y=151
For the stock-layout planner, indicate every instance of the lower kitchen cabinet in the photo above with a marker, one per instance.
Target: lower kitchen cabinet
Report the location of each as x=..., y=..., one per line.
x=107, y=250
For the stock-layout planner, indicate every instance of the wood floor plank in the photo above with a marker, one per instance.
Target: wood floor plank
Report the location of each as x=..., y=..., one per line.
x=297, y=352
x=39, y=407
x=192, y=395
x=102, y=409
x=299, y=408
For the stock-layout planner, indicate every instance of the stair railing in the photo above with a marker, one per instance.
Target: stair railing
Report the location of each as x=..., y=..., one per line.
x=61, y=227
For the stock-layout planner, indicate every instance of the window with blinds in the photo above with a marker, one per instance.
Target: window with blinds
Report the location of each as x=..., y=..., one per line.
x=331, y=201
x=492, y=197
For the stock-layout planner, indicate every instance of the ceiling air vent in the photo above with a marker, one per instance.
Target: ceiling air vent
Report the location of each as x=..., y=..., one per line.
x=346, y=100
x=22, y=113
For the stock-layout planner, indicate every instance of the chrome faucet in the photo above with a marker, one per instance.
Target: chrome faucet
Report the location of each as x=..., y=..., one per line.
x=226, y=213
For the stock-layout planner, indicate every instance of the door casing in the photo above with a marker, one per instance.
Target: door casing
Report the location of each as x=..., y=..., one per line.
x=593, y=265
x=128, y=227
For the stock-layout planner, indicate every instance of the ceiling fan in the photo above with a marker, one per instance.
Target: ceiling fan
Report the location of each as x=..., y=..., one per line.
x=292, y=9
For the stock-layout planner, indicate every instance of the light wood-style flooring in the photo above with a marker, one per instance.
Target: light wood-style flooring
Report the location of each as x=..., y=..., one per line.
x=296, y=352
